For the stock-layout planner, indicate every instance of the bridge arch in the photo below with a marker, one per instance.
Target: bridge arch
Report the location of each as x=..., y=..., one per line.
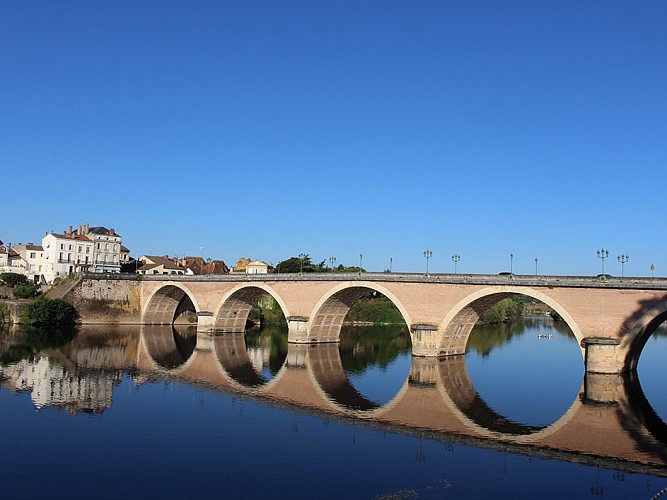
x=232, y=312
x=326, y=319
x=162, y=305
x=455, y=328
x=640, y=331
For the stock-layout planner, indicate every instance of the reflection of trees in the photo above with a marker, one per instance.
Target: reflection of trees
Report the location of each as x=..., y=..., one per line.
x=31, y=340
x=272, y=338
x=363, y=347
x=485, y=338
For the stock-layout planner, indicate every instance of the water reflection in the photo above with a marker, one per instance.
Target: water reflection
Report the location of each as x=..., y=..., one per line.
x=608, y=419
x=529, y=370
x=254, y=358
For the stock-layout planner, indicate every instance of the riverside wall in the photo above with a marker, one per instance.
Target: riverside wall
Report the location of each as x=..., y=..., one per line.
x=106, y=301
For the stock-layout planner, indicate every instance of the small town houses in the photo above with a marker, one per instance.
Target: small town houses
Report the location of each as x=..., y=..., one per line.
x=100, y=250
x=85, y=249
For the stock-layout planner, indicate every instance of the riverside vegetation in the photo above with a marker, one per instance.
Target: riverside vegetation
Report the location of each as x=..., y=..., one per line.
x=41, y=312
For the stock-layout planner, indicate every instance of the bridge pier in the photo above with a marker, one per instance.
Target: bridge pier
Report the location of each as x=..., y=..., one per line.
x=602, y=355
x=205, y=322
x=297, y=330
x=425, y=340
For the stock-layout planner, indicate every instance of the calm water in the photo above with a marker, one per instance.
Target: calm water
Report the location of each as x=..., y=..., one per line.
x=154, y=413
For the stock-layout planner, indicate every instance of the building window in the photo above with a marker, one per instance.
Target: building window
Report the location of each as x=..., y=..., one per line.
x=87, y=249
x=33, y=255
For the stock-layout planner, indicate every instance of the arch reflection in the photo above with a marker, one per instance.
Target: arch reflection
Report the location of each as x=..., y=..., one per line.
x=169, y=346
x=251, y=359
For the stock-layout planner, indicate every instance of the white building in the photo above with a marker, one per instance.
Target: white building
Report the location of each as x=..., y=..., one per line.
x=85, y=249
x=65, y=254
x=107, y=248
x=257, y=267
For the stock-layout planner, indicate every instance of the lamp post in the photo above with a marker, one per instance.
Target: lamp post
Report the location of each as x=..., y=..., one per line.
x=535, y=266
x=623, y=259
x=428, y=254
x=361, y=257
x=455, y=259
x=202, y=260
x=391, y=259
x=511, y=262
x=332, y=260
x=302, y=256
x=652, y=270
x=602, y=255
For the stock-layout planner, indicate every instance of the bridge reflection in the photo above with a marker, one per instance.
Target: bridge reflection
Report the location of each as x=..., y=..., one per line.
x=610, y=420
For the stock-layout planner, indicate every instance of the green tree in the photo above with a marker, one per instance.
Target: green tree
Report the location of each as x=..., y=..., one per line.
x=13, y=279
x=46, y=312
x=296, y=265
x=26, y=291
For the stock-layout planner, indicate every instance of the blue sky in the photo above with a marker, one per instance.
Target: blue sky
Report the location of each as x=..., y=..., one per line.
x=384, y=128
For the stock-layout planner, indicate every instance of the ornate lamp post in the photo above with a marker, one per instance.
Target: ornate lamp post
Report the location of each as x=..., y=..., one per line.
x=428, y=254
x=602, y=255
x=455, y=259
x=391, y=260
x=332, y=260
x=535, y=266
x=361, y=257
x=511, y=262
x=623, y=259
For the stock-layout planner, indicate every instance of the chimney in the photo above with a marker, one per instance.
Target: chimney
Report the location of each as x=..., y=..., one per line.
x=112, y=232
x=69, y=232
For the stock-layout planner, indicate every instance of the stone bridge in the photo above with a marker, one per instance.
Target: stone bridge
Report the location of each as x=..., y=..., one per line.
x=612, y=318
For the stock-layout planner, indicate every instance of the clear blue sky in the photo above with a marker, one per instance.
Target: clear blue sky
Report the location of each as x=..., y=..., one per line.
x=269, y=128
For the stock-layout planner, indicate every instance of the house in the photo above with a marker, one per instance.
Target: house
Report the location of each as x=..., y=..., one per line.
x=65, y=254
x=257, y=267
x=153, y=264
x=31, y=258
x=10, y=261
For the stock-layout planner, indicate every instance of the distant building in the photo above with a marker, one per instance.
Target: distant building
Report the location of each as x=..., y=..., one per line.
x=241, y=265
x=10, y=261
x=258, y=267
x=153, y=264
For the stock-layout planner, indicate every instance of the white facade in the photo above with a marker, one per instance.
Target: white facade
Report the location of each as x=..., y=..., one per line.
x=257, y=267
x=65, y=254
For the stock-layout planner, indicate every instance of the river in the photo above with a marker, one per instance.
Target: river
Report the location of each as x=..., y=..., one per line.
x=151, y=412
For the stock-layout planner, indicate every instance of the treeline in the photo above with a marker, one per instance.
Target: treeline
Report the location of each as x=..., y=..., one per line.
x=306, y=265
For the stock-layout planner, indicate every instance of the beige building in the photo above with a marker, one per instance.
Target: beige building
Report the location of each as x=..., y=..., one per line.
x=30, y=258
x=257, y=267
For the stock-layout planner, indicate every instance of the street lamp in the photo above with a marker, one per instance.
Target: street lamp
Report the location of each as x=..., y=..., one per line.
x=428, y=254
x=332, y=260
x=511, y=259
x=455, y=259
x=535, y=266
x=602, y=255
x=302, y=257
x=391, y=259
x=361, y=256
x=623, y=259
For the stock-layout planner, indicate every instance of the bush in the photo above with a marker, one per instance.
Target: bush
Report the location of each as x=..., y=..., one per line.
x=25, y=291
x=44, y=311
x=13, y=279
